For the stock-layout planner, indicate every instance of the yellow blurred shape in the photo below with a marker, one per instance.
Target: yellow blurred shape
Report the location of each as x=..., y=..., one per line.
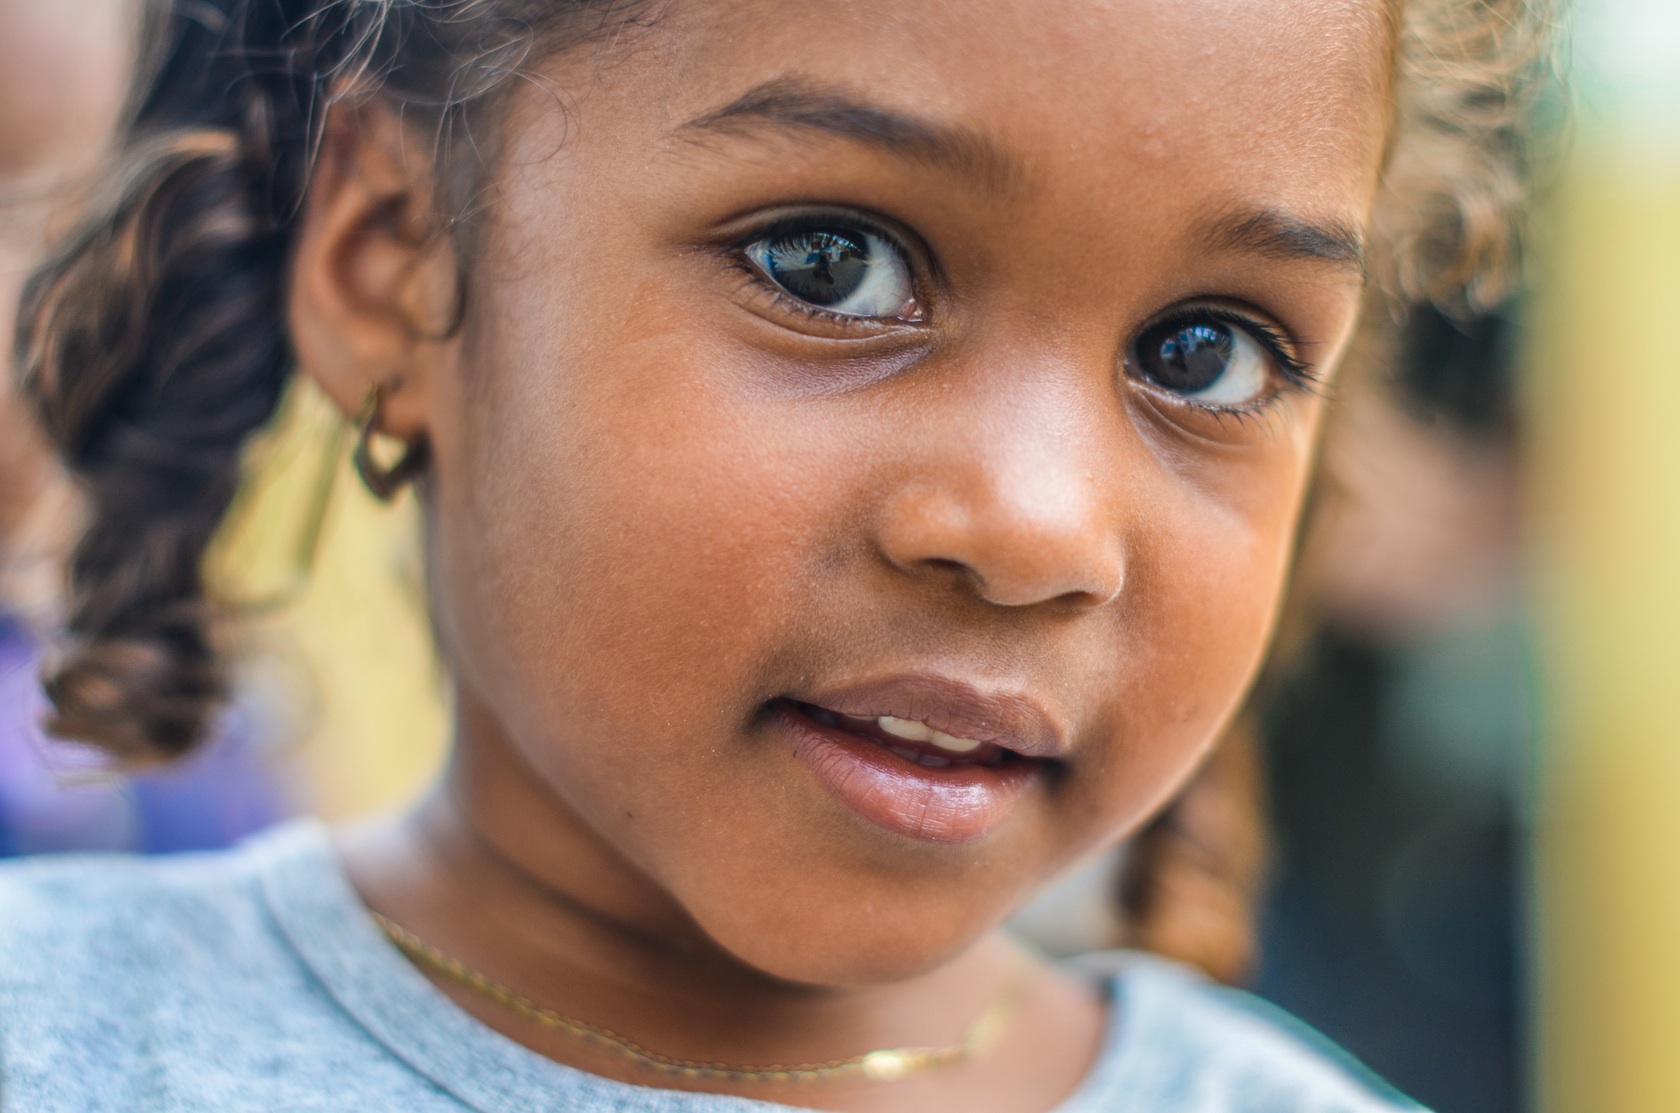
x=1606, y=473
x=330, y=589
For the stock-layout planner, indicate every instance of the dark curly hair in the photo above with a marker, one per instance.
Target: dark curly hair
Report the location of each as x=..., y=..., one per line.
x=153, y=344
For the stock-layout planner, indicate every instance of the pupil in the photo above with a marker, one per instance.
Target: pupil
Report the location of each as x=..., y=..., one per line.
x=823, y=268
x=1192, y=358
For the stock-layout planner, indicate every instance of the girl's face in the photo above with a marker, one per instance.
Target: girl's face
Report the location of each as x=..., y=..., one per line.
x=866, y=479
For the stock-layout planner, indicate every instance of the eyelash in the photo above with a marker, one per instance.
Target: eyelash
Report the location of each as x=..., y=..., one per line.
x=785, y=301
x=1297, y=373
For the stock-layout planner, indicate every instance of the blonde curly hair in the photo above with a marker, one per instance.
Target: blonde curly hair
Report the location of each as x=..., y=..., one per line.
x=1470, y=77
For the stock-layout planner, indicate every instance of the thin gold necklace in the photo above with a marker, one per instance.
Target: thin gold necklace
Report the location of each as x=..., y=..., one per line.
x=885, y=1065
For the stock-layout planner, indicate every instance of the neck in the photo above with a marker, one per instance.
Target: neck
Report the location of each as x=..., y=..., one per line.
x=497, y=871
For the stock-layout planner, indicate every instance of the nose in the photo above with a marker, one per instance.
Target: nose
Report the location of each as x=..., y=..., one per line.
x=1022, y=515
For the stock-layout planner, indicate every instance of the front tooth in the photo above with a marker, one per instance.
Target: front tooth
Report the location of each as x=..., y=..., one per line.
x=952, y=743
x=908, y=729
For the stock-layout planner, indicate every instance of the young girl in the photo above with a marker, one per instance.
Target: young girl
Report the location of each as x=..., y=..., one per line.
x=861, y=446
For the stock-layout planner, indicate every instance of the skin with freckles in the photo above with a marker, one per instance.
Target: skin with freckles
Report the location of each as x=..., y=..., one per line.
x=705, y=504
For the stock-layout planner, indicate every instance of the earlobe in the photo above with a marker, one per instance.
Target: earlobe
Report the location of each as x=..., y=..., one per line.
x=372, y=283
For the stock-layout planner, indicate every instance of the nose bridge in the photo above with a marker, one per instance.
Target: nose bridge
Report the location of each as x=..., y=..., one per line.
x=1021, y=495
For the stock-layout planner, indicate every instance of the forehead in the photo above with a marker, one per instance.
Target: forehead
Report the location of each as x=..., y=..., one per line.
x=1272, y=98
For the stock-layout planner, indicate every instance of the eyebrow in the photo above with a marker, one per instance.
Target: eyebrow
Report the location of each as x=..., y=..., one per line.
x=1285, y=236
x=793, y=106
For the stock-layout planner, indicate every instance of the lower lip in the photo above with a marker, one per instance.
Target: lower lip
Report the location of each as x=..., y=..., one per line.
x=959, y=803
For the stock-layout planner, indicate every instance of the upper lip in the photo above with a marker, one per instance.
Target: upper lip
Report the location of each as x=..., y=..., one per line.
x=1011, y=720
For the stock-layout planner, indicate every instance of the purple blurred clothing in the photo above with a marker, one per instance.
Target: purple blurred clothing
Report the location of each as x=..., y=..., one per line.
x=55, y=796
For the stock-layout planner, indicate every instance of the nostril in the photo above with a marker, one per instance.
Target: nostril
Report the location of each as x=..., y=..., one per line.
x=1036, y=593
x=1009, y=587
x=1081, y=570
x=1009, y=551
x=958, y=572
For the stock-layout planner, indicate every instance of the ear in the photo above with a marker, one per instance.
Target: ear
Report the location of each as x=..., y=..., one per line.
x=374, y=286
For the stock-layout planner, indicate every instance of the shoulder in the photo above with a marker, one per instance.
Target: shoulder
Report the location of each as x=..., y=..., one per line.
x=1184, y=1043
x=56, y=911
x=86, y=934
x=115, y=971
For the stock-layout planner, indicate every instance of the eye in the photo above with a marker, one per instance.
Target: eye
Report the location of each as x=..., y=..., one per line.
x=1210, y=360
x=853, y=272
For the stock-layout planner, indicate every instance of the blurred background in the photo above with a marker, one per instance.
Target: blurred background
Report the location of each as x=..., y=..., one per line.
x=1470, y=744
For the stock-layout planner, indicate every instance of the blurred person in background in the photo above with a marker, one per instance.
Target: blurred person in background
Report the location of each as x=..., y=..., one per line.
x=1398, y=729
x=64, y=75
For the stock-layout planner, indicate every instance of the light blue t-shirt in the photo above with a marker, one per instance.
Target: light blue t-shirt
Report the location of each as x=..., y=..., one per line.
x=253, y=980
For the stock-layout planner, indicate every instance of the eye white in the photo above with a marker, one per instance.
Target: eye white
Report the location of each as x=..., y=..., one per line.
x=1247, y=375
x=886, y=290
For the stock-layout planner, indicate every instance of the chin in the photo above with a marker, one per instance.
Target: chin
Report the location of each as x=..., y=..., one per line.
x=851, y=944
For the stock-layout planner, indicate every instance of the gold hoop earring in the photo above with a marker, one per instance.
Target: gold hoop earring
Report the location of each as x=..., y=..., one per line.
x=382, y=482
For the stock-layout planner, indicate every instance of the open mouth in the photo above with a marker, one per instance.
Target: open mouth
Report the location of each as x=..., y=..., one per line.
x=913, y=740
x=909, y=775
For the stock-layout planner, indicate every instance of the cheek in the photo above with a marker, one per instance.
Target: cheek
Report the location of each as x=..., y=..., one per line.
x=1209, y=560
x=623, y=542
